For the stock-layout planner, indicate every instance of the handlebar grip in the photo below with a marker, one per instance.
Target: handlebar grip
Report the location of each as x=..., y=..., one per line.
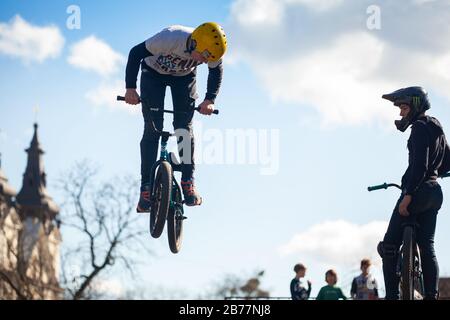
x=381, y=186
x=214, y=112
x=122, y=98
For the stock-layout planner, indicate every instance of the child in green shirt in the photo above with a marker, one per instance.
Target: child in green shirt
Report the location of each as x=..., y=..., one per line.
x=331, y=291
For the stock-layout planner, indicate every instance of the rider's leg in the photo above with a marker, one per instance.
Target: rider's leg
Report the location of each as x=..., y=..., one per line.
x=388, y=250
x=425, y=205
x=184, y=95
x=430, y=196
x=425, y=240
x=153, y=89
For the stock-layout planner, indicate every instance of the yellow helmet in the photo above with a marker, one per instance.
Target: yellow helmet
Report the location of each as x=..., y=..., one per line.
x=210, y=40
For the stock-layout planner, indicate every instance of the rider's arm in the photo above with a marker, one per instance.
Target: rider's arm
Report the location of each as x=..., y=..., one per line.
x=214, y=80
x=445, y=166
x=419, y=157
x=138, y=53
x=309, y=289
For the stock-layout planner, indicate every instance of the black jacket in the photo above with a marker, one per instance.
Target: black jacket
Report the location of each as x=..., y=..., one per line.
x=429, y=154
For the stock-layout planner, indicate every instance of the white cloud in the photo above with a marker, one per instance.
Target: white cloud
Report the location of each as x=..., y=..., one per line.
x=95, y=55
x=109, y=289
x=18, y=38
x=265, y=12
x=317, y=5
x=420, y=2
x=105, y=96
x=319, y=54
x=338, y=242
x=335, y=81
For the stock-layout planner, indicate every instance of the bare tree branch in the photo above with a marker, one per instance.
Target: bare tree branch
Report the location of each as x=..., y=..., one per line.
x=104, y=215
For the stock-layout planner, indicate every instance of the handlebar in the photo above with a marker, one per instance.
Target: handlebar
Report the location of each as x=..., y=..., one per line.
x=388, y=185
x=121, y=98
x=383, y=186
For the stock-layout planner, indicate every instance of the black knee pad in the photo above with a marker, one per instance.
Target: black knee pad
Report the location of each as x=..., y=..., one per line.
x=387, y=250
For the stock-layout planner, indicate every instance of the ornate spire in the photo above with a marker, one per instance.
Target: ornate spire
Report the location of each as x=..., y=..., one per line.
x=33, y=197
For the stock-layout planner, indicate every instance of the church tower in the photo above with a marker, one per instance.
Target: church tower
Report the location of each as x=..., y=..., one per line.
x=39, y=238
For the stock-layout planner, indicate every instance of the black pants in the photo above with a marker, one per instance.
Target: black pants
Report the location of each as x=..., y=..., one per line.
x=424, y=208
x=153, y=90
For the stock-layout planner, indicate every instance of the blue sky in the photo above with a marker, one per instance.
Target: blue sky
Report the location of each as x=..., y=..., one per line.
x=311, y=70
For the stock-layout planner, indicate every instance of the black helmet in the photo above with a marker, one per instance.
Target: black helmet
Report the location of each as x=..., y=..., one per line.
x=415, y=97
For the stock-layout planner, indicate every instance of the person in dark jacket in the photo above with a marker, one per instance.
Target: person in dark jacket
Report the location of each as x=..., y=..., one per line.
x=299, y=289
x=421, y=198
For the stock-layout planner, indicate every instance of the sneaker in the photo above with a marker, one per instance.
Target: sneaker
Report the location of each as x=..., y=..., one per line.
x=191, y=197
x=144, y=203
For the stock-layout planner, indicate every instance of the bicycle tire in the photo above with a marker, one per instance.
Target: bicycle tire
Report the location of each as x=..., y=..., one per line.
x=175, y=220
x=407, y=280
x=418, y=274
x=162, y=189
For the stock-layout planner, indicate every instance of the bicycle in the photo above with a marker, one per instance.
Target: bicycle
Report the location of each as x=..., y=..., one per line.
x=409, y=264
x=166, y=196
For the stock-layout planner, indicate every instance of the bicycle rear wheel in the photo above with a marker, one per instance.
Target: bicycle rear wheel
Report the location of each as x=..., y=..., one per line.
x=162, y=189
x=407, y=280
x=175, y=220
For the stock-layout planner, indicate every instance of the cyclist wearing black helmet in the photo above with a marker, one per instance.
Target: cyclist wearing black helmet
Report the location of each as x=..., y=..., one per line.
x=429, y=157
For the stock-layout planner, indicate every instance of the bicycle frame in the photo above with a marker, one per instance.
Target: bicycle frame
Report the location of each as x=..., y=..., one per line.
x=164, y=156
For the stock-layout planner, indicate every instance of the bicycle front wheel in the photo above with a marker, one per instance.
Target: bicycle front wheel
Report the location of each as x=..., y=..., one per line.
x=161, y=195
x=407, y=280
